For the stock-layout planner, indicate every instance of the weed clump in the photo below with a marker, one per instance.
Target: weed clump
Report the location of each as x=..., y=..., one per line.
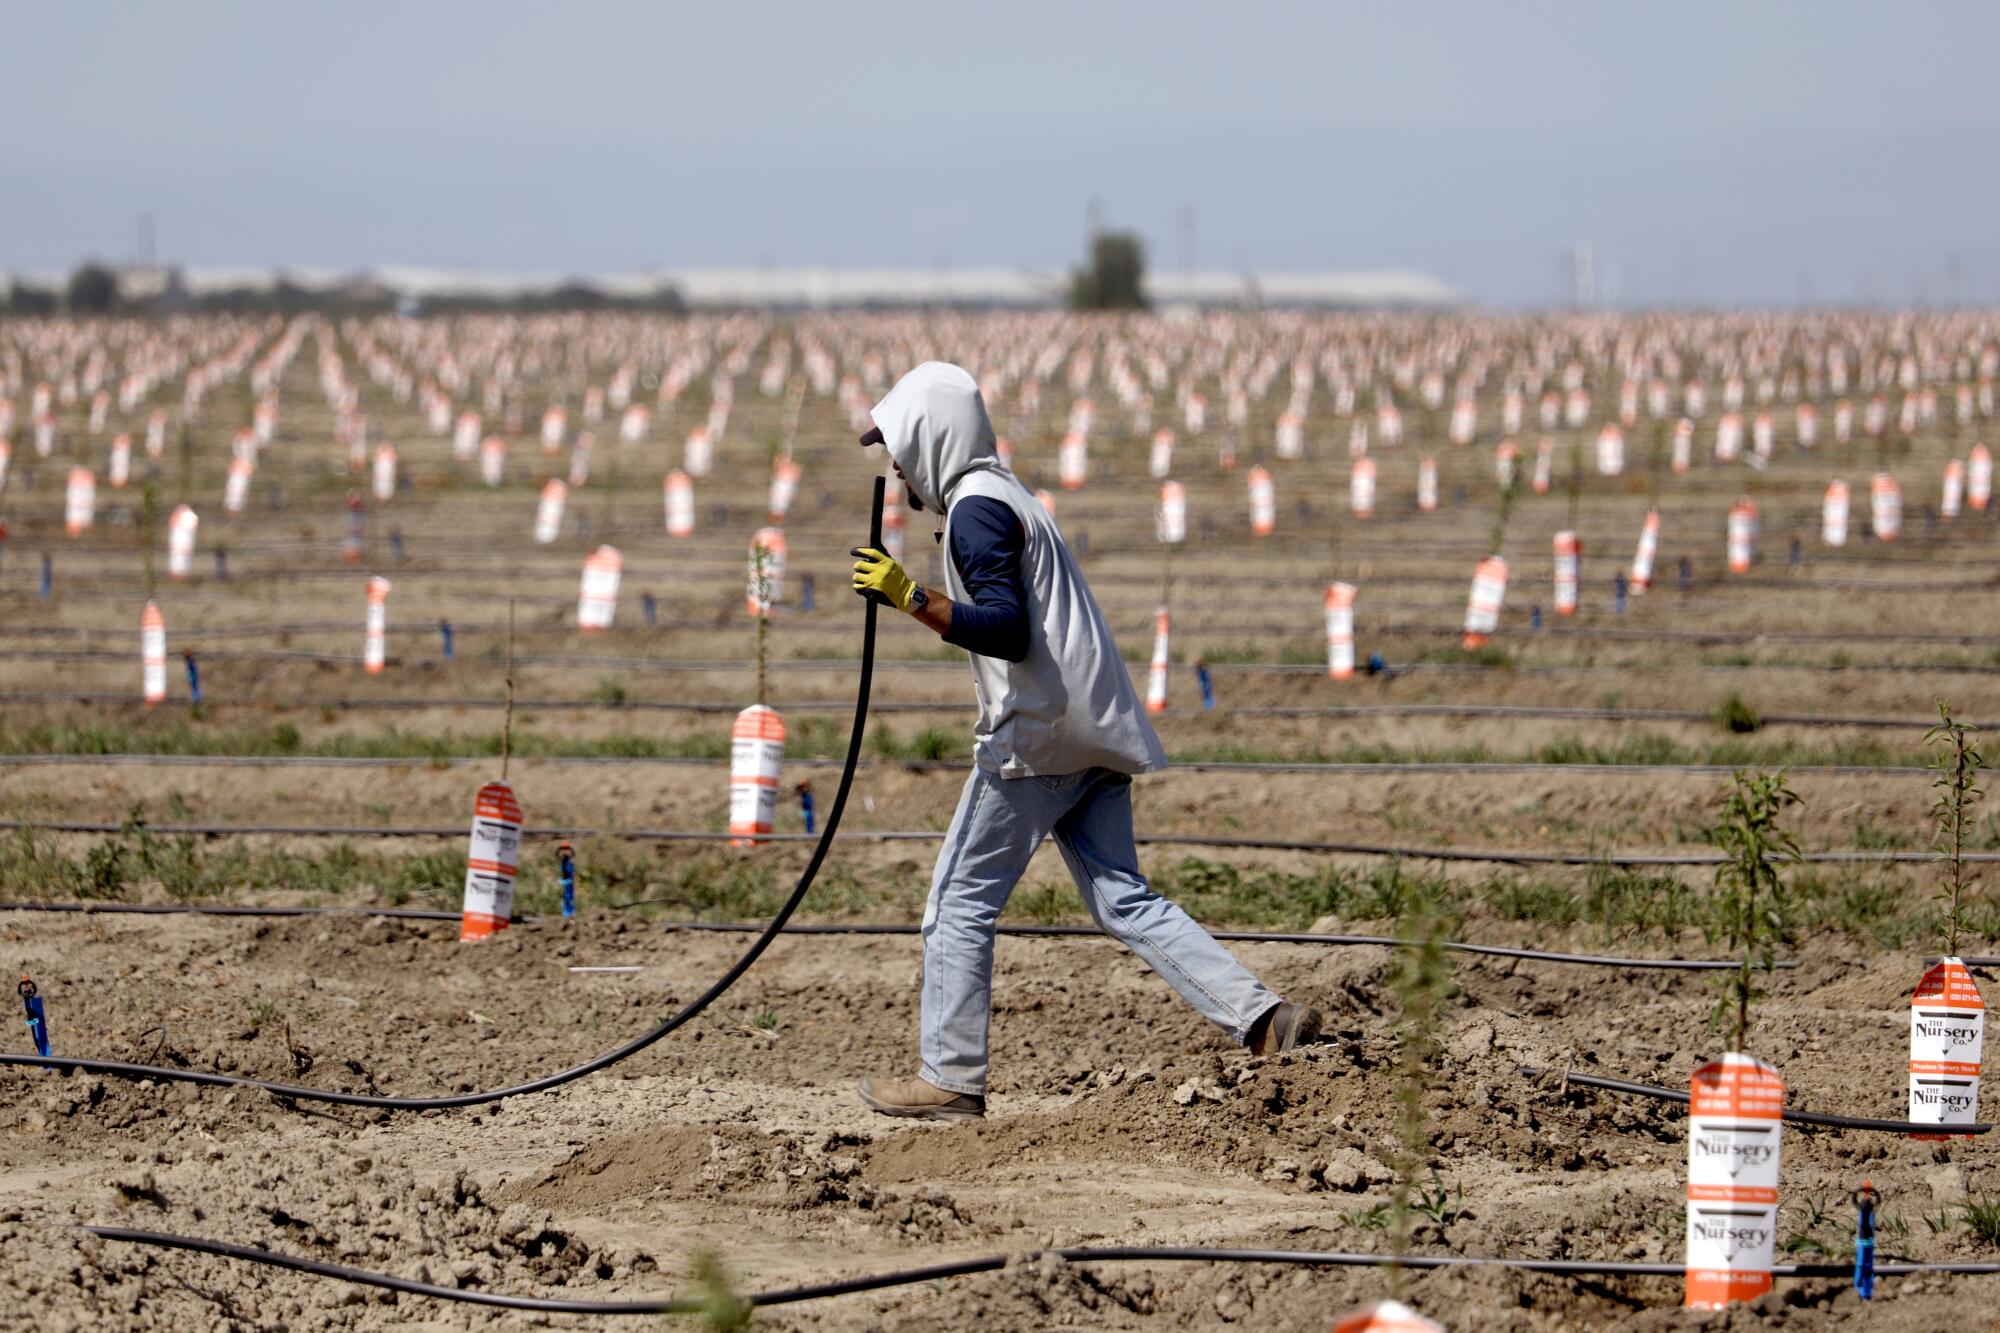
x=1735, y=715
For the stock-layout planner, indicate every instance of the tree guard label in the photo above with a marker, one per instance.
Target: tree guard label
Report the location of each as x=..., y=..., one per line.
x=1947, y=1031
x=1735, y=1126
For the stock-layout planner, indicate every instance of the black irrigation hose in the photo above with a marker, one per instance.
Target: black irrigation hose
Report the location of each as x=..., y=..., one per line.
x=403, y=703
x=904, y=1277
x=898, y=928
x=1834, y=856
x=1257, y=937
x=1330, y=767
x=1572, y=1078
x=123, y=1069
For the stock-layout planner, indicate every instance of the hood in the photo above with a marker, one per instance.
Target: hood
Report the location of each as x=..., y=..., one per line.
x=934, y=424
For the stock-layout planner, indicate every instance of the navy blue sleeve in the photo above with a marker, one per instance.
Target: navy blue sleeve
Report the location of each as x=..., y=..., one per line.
x=986, y=547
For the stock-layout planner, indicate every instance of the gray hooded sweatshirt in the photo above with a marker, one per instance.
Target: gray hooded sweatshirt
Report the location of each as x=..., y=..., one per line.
x=1069, y=704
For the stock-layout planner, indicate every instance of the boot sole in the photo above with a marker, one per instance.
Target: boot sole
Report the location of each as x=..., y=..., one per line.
x=922, y=1112
x=1303, y=1028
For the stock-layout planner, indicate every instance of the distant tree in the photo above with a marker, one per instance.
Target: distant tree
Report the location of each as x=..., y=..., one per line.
x=93, y=289
x=1116, y=276
x=26, y=300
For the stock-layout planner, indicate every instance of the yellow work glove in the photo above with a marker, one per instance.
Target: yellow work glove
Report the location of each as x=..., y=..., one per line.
x=879, y=575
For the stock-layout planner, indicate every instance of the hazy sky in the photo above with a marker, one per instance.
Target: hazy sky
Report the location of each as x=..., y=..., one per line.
x=1740, y=152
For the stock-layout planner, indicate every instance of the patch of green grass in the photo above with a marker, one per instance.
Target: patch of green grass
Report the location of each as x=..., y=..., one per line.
x=609, y=691
x=1734, y=714
x=1486, y=655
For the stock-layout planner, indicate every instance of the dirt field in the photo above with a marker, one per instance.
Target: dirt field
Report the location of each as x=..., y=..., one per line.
x=1116, y=1117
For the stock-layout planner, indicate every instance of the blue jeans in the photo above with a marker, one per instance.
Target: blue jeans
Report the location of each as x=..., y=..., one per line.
x=1000, y=822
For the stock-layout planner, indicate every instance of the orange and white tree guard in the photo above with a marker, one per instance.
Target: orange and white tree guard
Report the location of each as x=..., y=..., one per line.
x=1947, y=1034
x=156, y=433
x=1386, y=1317
x=1610, y=451
x=384, y=476
x=236, y=487
x=1649, y=548
x=1003, y=448
x=549, y=511
x=1073, y=460
x=1427, y=485
x=597, y=600
x=1545, y=465
x=120, y=470
x=698, y=454
x=1482, y=606
x=1291, y=437
x=465, y=437
x=635, y=424
x=1048, y=502
x=555, y=423
x=1806, y=425
x=1505, y=456
x=1568, y=550
x=374, y=642
x=1361, y=488
x=1160, y=457
x=1953, y=498
x=1683, y=447
x=1170, y=516
x=80, y=501
x=784, y=488
x=1156, y=672
x=756, y=756
x=1194, y=414
x=677, y=495
x=579, y=459
x=1735, y=1128
x=492, y=859
x=1742, y=535
x=153, y=654
x=1263, y=503
x=1835, y=515
x=1464, y=421
x=1885, y=507
x=182, y=526
x=893, y=523
x=1340, y=631
x=492, y=460
x=1979, y=476
x=764, y=588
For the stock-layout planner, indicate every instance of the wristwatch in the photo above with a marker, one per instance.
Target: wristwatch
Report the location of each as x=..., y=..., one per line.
x=919, y=599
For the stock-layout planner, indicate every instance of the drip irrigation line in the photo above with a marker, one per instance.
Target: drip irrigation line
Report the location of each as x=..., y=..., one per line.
x=1261, y=937
x=1327, y=768
x=1572, y=1078
x=894, y=928
x=904, y=1277
x=811, y=707
x=1494, y=856
x=123, y=1069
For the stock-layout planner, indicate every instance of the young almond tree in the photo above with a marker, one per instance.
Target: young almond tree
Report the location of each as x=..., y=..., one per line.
x=1957, y=763
x=1422, y=982
x=1751, y=909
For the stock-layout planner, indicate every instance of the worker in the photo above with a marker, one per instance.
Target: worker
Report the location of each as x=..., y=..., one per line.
x=1060, y=735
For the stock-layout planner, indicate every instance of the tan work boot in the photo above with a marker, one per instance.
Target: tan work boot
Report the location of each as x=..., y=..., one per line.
x=1282, y=1027
x=920, y=1100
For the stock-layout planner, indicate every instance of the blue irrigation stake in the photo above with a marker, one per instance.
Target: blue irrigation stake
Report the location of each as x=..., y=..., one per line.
x=38, y=1018
x=568, y=860
x=48, y=575
x=1619, y=587
x=396, y=542
x=222, y=563
x=582, y=526
x=649, y=608
x=806, y=805
x=444, y=632
x=194, y=679
x=805, y=593
x=1207, y=686
x=1535, y=616
x=1792, y=552
x=1686, y=575
x=1865, y=1200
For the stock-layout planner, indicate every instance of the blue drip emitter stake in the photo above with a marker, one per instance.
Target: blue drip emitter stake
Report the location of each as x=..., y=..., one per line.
x=568, y=861
x=38, y=1019
x=1207, y=686
x=194, y=679
x=1865, y=1200
x=806, y=805
x=444, y=632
